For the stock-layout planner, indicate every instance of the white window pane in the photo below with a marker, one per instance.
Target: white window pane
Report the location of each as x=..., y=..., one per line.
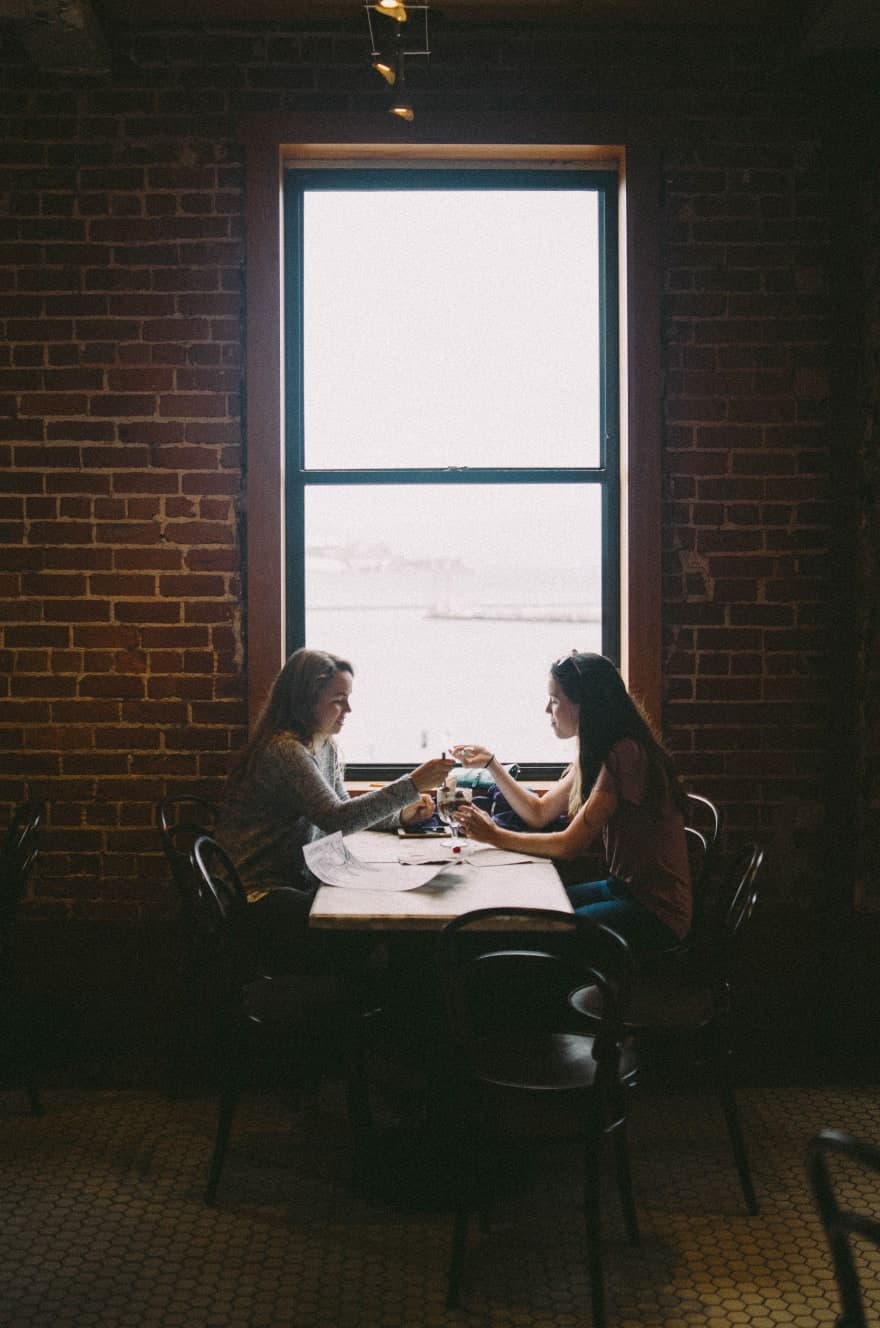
x=452, y=602
x=430, y=341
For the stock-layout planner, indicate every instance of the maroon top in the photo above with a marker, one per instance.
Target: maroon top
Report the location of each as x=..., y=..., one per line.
x=645, y=845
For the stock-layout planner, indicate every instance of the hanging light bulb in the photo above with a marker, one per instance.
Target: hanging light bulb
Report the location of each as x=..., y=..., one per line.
x=384, y=66
x=392, y=9
x=401, y=107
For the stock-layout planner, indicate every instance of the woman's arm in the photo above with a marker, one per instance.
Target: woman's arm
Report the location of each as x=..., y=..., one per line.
x=561, y=845
x=535, y=809
x=313, y=789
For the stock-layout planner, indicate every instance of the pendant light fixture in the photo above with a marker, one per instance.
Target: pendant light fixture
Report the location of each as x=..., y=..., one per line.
x=391, y=44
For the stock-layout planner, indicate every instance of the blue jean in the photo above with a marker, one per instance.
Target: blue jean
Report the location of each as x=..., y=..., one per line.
x=610, y=902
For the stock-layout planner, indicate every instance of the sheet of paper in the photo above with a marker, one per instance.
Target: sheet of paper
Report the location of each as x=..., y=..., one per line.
x=487, y=856
x=332, y=861
x=446, y=852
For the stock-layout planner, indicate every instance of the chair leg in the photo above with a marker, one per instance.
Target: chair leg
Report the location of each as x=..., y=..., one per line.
x=593, y=1227
x=734, y=1129
x=721, y=1053
x=456, y=1262
x=228, y=1100
x=624, y=1182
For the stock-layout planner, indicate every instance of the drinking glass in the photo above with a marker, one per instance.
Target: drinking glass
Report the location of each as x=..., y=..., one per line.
x=448, y=802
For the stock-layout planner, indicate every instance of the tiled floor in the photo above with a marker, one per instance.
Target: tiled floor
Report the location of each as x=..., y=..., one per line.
x=103, y=1223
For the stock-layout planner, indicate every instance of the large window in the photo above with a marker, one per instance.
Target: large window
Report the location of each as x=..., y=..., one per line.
x=452, y=468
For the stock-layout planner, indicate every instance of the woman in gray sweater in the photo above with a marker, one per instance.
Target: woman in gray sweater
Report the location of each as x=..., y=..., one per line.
x=286, y=789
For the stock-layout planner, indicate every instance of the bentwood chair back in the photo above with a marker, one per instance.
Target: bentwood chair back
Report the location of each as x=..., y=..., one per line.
x=509, y=1035
x=18, y=854
x=838, y=1164
x=695, y=1003
x=703, y=830
x=293, y=1024
x=182, y=819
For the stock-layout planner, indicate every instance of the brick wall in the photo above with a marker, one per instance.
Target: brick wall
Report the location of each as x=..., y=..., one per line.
x=120, y=415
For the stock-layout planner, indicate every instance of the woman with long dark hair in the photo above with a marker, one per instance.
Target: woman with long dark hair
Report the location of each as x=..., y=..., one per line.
x=622, y=787
x=287, y=788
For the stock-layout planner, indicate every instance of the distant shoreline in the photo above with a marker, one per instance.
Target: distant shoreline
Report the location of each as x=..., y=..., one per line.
x=514, y=615
x=495, y=614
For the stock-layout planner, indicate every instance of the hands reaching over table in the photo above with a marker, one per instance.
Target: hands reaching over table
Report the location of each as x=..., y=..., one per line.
x=418, y=811
x=432, y=773
x=473, y=755
x=477, y=825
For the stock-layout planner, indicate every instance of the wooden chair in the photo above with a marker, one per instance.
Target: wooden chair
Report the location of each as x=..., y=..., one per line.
x=693, y=1004
x=840, y=1222
x=510, y=1038
x=18, y=854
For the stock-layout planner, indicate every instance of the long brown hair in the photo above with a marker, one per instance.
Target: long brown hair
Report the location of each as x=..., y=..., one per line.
x=291, y=704
x=606, y=714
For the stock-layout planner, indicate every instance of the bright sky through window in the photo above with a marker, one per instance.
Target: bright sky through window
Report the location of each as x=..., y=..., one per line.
x=447, y=328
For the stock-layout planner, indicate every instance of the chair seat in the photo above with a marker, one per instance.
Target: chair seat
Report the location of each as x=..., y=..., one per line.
x=657, y=1002
x=548, y=1063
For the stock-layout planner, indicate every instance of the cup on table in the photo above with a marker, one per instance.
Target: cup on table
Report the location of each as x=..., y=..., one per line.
x=448, y=802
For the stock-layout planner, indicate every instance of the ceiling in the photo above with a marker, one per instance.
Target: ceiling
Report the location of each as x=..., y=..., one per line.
x=77, y=35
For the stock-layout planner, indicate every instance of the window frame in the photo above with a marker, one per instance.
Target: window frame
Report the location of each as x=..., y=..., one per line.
x=272, y=141
x=300, y=477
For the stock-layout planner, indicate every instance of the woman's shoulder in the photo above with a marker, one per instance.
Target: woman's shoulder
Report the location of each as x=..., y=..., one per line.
x=286, y=748
x=627, y=752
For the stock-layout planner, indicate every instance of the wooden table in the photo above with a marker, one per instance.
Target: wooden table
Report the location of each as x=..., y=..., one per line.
x=458, y=889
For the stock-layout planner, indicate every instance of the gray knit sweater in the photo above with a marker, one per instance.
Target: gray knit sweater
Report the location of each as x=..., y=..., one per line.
x=290, y=797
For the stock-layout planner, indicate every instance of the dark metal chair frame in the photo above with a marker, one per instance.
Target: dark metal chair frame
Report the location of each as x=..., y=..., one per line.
x=696, y=1001
x=182, y=818
x=546, y=1060
x=840, y=1223
x=284, y=1014
x=18, y=854
x=702, y=823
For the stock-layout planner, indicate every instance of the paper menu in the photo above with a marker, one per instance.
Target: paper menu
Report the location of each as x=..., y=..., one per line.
x=334, y=863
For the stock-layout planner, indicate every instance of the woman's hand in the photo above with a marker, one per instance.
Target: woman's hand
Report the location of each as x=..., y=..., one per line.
x=432, y=774
x=418, y=811
x=477, y=825
x=471, y=754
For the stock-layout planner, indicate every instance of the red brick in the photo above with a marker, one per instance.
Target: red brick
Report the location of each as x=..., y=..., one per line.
x=117, y=583
x=134, y=532
x=146, y=611
x=76, y=611
x=140, y=380
x=199, y=532
x=132, y=404
x=52, y=403
x=176, y=330
x=62, y=532
x=183, y=406
x=187, y=458
x=159, y=558
x=194, y=688
x=191, y=586
x=48, y=583
x=127, y=739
